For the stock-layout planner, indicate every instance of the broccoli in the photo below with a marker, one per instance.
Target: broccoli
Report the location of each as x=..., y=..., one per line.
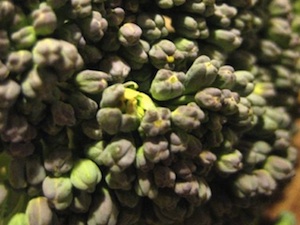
x=140, y=112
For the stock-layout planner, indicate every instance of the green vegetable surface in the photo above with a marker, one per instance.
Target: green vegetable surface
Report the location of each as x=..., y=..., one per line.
x=146, y=112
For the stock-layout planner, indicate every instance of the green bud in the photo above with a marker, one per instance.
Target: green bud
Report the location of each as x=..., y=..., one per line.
x=209, y=98
x=59, y=55
x=228, y=40
x=112, y=96
x=19, y=219
x=119, y=154
x=207, y=158
x=110, y=119
x=245, y=185
x=166, y=4
x=85, y=175
x=244, y=82
x=164, y=55
x=19, y=61
x=39, y=212
x=156, y=122
x=24, y=37
x=156, y=149
x=187, y=117
x=279, y=168
x=225, y=78
x=187, y=188
x=223, y=15
x=152, y=25
x=93, y=26
x=266, y=183
x=44, y=20
x=229, y=102
x=129, y=34
x=190, y=26
x=167, y=84
x=205, y=8
x=103, y=209
x=58, y=191
x=229, y=162
x=91, y=82
x=115, y=67
x=189, y=47
x=256, y=152
x=202, y=73
x=9, y=92
x=94, y=150
x=279, y=7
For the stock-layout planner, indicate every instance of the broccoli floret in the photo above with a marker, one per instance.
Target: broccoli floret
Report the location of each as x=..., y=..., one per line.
x=167, y=84
x=58, y=191
x=85, y=175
